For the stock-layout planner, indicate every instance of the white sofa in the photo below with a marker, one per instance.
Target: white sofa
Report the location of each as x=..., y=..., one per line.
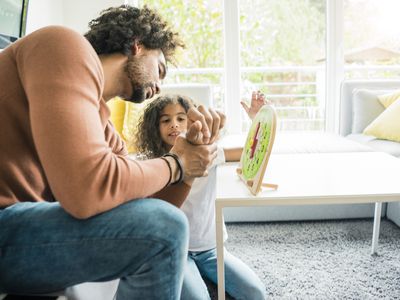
x=201, y=93
x=359, y=106
x=355, y=115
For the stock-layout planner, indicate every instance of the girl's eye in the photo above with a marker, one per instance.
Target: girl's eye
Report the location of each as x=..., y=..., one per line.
x=164, y=121
x=181, y=119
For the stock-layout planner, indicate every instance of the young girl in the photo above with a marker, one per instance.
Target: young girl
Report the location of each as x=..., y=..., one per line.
x=162, y=121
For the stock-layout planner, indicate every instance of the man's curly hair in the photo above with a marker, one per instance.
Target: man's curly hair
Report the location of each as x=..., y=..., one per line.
x=148, y=139
x=117, y=28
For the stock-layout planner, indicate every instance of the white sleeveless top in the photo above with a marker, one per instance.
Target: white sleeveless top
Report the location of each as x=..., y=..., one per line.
x=199, y=208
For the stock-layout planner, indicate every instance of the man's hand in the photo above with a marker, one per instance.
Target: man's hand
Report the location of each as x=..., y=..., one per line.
x=204, y=125
x=257, y=101
x=195, y=158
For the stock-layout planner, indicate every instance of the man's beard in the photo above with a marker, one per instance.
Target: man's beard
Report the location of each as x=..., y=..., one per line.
x=136, y=75
x=138, y=95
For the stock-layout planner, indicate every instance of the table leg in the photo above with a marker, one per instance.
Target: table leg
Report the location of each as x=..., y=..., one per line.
x=377, y=224
x=220, y=250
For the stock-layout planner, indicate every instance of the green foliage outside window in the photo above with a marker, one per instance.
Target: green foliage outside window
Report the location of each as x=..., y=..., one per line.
x=282, y=32
x=200, y=25
x=273, y=33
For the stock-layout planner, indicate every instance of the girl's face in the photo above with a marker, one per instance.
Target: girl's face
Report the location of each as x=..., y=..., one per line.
x=173, y=121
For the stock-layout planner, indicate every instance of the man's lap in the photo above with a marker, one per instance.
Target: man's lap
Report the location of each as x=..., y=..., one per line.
x=41, y=241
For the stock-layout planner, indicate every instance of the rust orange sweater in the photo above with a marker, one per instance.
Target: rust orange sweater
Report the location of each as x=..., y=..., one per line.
x=56, y=142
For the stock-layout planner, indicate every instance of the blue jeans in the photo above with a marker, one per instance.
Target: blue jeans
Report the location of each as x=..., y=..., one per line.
x=240, y=281
x=143, y=242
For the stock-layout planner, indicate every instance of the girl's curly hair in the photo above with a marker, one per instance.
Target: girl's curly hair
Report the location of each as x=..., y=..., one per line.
x=117, y=28
x=148, y=138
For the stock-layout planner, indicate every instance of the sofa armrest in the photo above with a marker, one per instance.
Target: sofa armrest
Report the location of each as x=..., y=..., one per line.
x=200, y=93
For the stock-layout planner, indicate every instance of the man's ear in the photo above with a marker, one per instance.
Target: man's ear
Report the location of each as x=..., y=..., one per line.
x=136, y=48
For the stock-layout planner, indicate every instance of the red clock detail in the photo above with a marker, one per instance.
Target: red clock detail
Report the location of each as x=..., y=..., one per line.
x=255, y=141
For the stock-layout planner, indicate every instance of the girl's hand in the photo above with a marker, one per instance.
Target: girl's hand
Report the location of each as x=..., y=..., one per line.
x=257, y=101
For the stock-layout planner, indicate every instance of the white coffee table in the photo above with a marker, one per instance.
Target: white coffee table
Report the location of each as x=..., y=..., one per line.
x=310, y=179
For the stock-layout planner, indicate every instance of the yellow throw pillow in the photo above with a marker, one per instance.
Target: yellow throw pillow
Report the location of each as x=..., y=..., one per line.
x=388, y=99
x=117, y=107
x=387, y=125
x=132, y=114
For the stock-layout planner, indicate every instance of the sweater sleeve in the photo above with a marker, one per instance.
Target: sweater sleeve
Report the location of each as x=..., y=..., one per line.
x=115, y=142
x=63, y=81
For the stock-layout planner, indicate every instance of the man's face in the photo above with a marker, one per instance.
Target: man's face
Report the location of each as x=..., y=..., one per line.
x=145, y=70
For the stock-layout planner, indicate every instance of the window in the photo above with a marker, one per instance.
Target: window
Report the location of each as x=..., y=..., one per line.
x=371, y=38
x=12, y=21
x=296, y=52
x=282, y=54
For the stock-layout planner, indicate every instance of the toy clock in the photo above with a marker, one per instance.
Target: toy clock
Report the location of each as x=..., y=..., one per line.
x=257, y=150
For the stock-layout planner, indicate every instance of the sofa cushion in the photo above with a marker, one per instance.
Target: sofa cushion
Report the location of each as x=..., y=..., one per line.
x=302, y=142
x=124, y=115
x=387, y=125
x=366, y=108
x=393, y=212
x=117, y=113
x=315, y=142
x=388, y=99
x=132, y=115
x=390, y=147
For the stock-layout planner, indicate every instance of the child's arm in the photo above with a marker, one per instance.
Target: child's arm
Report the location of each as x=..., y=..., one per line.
x=257, y=101
x=174, y=194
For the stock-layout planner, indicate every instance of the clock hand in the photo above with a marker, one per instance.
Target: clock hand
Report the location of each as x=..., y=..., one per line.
x=255, y=141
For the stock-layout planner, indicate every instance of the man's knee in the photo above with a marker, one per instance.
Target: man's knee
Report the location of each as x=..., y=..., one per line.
x=169, y=220
x=155, y=218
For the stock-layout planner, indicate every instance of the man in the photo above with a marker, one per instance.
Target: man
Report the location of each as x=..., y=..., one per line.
x=71, y=203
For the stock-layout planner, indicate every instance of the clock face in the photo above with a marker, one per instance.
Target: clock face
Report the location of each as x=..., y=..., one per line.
x=257, y=143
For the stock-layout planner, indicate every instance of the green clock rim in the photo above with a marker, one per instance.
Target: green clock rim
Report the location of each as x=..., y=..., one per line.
x=265, y=117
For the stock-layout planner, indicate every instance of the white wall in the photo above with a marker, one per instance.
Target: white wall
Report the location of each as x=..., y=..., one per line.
x=74, y=14
x=78, y=13
x=43, y=13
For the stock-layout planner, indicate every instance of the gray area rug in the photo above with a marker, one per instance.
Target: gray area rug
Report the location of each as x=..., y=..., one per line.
x=319, y=259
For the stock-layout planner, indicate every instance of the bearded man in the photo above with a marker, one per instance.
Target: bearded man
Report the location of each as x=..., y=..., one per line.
x=73, y=207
